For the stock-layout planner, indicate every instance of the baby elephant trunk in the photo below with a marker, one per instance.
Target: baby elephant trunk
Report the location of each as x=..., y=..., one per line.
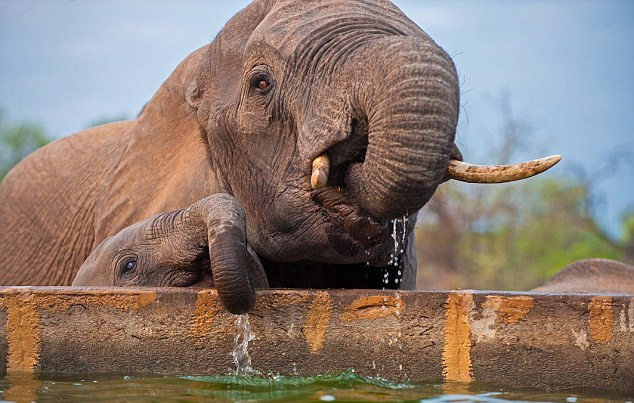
x=229, y=255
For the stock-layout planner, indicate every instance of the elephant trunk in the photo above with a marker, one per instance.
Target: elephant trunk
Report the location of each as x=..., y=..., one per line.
x=412, y=113
x=236, y=270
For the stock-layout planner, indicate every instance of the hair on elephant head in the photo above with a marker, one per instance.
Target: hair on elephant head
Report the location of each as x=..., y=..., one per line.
x=350, y=93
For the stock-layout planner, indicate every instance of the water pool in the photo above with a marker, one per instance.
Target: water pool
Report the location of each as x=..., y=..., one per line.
x=343, y=387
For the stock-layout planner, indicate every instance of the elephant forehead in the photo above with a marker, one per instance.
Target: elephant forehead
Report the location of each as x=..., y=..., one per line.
x=292, y=26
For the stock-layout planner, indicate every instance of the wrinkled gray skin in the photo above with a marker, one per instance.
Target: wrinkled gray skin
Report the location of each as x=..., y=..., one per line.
x=181, y=249
x=593, y=276
x=283, y=82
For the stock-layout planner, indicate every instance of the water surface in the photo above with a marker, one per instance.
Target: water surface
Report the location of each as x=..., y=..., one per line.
x=343, y=387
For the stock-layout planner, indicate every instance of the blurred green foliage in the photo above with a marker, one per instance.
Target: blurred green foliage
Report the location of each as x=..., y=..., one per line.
x=508, y=237
x=17, y=141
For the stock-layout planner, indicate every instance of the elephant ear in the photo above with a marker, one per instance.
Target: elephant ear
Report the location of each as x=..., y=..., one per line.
x=216, y=93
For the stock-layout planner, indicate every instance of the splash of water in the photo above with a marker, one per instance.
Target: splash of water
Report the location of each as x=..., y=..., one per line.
x=240, y=353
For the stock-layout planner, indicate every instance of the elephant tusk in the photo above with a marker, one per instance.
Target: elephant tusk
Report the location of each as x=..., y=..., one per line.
x=465, y=172
x=321, y=169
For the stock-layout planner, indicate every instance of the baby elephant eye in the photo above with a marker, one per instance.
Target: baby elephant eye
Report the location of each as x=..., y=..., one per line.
x=129, y=266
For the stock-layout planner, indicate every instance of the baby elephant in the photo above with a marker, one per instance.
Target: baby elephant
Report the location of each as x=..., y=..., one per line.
x=592, y=275
x=203, y=245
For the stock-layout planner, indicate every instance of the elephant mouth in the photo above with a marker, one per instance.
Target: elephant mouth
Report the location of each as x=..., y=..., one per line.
x=354, y=232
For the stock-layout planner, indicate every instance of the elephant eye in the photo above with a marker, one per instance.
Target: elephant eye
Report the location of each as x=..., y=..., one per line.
x=128, y=266
x=261, y=82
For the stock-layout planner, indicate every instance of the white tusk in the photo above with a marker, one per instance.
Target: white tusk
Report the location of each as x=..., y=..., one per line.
x=321, y=169
x=465, y=172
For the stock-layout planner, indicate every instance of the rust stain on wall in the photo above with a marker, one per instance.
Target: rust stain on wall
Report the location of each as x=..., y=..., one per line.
x=600, y=319
x=512, y=309
x=203, y=315
x=23, y=334
x=456, y=354
x=373, y=307
x=317, y=321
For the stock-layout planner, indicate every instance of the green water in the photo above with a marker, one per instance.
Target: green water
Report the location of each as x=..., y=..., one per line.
x=342, y=387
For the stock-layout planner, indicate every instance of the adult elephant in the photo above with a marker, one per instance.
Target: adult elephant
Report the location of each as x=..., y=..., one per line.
x=352, y=87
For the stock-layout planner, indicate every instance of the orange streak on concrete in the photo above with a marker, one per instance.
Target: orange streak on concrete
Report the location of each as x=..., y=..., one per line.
x=512, y=309
x=23, y=334
x=317, y=320
x=600, y=319
x=203, y=315
x=456, y=354
x=373, y=307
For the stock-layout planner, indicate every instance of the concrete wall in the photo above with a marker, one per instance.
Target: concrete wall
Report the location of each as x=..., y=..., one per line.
x=550, y=341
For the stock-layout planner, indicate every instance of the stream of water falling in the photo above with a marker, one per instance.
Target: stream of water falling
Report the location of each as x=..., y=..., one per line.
x=240, y=352
x=399, y=231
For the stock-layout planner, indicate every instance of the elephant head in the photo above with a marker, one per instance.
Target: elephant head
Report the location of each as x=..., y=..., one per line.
x=203, y=245
x=285, y=82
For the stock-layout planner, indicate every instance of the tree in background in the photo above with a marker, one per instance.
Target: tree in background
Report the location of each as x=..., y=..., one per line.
x=17, y=141
x=511, y=236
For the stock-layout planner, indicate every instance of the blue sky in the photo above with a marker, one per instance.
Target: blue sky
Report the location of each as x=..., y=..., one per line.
x=567, y=65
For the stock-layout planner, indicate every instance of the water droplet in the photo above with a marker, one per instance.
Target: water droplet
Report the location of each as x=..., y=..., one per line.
x=327, y=398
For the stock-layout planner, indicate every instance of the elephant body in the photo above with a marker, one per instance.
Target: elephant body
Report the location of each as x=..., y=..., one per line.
x=282, y=83
x=593, y=276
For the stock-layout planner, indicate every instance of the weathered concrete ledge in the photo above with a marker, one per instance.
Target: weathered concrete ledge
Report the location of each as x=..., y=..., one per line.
x=549, y=341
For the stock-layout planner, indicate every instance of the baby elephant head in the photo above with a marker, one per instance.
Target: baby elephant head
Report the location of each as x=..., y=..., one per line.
x=203, y=245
